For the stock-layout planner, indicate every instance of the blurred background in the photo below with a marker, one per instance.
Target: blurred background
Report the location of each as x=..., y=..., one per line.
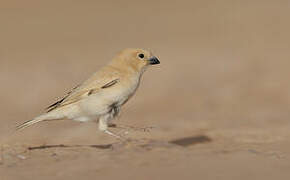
x=224, y=76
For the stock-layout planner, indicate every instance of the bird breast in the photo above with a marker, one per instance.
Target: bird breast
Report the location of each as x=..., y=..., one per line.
x=123, y=91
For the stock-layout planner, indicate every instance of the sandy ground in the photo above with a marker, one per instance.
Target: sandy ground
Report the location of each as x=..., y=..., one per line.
x=218, y=104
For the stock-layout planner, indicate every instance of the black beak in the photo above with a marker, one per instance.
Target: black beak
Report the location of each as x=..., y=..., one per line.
x=154, y=60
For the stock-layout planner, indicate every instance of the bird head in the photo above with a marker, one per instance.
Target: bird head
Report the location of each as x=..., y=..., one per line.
x=137, y=59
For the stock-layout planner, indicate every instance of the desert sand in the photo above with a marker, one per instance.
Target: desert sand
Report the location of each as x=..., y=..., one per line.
x=217, y=107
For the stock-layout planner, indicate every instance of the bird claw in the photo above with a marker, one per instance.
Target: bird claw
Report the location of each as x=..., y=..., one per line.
x=143, y=129
x=112, y=134
x=121, y=138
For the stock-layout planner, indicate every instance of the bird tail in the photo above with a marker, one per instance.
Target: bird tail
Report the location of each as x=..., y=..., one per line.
x=38, y=119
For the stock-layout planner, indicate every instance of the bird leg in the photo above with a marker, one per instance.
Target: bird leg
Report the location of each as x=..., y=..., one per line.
x=103, y=126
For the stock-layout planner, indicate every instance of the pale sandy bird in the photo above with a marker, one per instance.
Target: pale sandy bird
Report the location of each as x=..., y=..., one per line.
x=101, y=96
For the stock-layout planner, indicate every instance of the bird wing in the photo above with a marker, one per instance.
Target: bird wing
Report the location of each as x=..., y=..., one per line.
x=93, y=85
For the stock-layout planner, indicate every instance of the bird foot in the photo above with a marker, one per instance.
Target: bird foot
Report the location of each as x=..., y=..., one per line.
x=112, y=134
x=127, y=127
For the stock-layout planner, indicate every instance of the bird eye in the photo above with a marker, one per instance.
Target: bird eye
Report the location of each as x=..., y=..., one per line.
x=141, y=56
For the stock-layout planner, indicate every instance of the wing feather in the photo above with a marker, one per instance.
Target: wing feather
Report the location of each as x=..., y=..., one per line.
x=82, y=91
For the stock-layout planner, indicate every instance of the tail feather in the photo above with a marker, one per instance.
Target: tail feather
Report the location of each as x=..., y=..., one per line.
x=33, y=121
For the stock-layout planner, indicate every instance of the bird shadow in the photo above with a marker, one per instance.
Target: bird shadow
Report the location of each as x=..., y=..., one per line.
x=191, y=140
x=185, y=142
x=104, y=146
